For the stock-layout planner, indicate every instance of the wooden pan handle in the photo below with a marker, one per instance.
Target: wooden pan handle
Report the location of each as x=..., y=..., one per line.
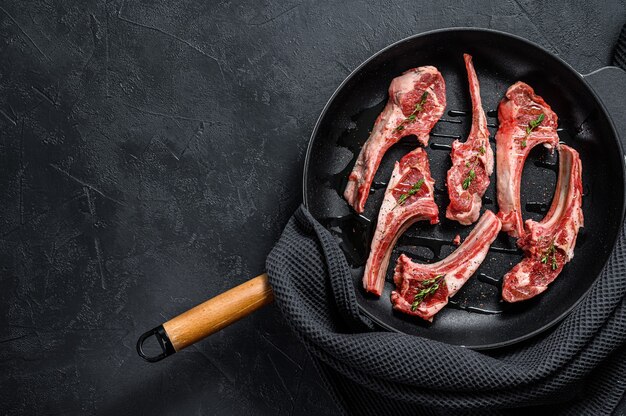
x=208, y=317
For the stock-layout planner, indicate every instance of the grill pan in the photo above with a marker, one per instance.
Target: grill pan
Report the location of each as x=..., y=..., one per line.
x=476, y=317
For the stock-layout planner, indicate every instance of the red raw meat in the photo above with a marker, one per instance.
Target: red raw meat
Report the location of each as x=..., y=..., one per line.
x=417, y=99
x=517, y=112
x=549, y=244
x=408, y=198
x=472, y=161
x=442, y=279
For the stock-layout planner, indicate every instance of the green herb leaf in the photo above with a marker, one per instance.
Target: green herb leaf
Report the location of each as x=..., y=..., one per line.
x=550, y=254
x=532, y=125
x=429, y=282
x=524, y=144
x=429, y=286
x=471, y=175
x=418, y=107
x=416, y=187
x=481, y=150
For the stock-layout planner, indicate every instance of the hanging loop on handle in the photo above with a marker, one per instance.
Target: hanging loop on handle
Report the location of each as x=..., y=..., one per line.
x=159, y=333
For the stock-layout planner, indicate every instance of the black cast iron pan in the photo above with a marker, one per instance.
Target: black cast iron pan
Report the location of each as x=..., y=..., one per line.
x=476, y=318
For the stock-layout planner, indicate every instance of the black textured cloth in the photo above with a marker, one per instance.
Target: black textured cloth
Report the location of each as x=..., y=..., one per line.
x=619, y=52
x=577, y=368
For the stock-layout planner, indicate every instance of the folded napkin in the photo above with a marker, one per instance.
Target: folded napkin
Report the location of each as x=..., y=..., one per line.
x=577, y=368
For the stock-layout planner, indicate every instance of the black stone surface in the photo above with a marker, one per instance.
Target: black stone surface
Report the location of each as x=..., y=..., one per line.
x=150, y=154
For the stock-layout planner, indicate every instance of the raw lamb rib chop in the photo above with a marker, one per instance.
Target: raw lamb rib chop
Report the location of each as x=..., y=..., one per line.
x=472, y=161
x=417, y=99
x=423, y=289
x=549, y=244
x=526, y=120
x=408, y=198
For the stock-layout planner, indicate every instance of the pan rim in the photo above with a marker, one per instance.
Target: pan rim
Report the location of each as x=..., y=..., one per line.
x=598, y=101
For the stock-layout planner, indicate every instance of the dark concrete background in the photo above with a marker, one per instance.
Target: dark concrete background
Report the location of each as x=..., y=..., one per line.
x=150, y=154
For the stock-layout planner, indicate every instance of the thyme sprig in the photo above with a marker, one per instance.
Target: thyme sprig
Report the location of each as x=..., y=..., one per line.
x=550, y=254
x=429, y=286
x=418, y=107
x=532, y=125
x=471, y=175
x=414, y=189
